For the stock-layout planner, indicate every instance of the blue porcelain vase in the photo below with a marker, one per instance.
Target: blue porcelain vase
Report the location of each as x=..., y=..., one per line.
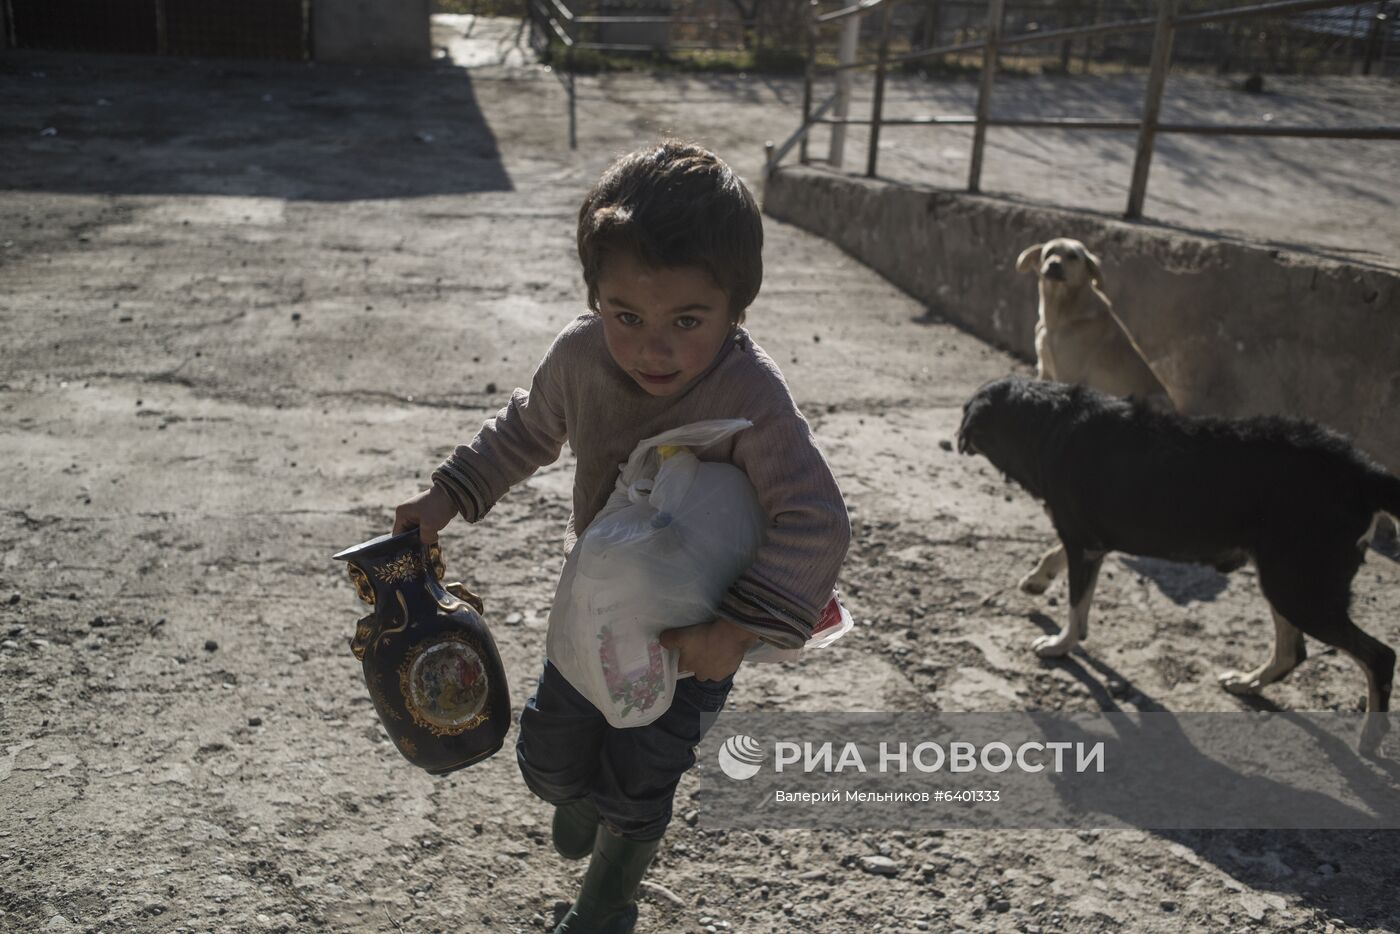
x=429, y=661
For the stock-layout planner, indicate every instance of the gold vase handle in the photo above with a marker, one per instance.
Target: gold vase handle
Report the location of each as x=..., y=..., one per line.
x=456, y=588
x=460, y=591
x=365, y=631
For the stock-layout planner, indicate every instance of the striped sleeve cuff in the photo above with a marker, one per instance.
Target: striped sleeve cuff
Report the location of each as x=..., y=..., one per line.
x=461, y=489
x=766, y=616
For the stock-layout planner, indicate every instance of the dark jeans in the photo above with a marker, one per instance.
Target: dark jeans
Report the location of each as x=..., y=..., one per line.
x=567, y=751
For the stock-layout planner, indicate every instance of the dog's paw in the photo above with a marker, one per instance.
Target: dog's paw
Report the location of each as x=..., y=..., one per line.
x=1052, y=646
x=1034, y=584
x=1377, y=725
x=1240, y=682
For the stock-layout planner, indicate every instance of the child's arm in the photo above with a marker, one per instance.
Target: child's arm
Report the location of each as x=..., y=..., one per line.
x=781, y=596
x=526, y=434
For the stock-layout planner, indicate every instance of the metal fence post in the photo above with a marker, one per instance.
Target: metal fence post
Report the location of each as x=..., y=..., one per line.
x=1377, y=35
x=573, y=98
x=995, y=10
x=807, y=76
x=879, y=104
x=850, y=43
x=1385, y=34
x=1156, y=82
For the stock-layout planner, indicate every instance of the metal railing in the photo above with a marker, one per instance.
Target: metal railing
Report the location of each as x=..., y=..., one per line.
x=1163, y=26
x=554, y=18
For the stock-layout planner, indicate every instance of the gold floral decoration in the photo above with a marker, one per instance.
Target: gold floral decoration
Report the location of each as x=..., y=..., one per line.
x=403, y=568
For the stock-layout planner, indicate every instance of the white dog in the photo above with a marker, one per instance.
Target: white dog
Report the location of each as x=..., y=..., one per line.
x=1078, y=339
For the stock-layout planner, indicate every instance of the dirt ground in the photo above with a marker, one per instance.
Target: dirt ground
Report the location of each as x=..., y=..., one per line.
x=248, y=308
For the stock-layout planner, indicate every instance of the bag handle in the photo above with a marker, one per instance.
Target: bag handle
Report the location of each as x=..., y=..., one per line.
x=644, y=460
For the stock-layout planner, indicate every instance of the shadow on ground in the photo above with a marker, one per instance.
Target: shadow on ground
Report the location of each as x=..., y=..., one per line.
x=92, y=124
x=1306, y=864
x=1180, y=583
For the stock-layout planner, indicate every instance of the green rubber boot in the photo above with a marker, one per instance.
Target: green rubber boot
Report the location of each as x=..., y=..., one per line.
x=607, y=902
x=575, y=826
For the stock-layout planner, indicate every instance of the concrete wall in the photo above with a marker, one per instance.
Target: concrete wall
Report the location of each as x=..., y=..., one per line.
x=371, y=32
x=1230, y=328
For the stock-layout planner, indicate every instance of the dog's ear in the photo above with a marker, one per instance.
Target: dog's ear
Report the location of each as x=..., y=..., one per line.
x=1029, y=260
x=1095, y=270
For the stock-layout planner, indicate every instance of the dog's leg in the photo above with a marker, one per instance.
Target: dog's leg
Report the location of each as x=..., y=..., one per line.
x=1316, y=600
x=1083, y=575
x=1377, y=661
x=1371, y=534
x=1044, y=360
x=1048, y=568
x=1381, y=533
x=1289, y=652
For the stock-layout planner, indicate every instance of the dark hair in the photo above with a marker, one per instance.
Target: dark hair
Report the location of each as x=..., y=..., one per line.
x=670, y=205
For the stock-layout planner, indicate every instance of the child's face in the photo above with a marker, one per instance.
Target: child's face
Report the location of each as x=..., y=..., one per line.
x=663, y=326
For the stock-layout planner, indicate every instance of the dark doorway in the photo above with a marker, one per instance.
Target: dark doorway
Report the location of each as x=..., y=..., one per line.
x=85, y=25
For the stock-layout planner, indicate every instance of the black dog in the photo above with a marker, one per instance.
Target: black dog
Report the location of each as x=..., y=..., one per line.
x=1296, y=499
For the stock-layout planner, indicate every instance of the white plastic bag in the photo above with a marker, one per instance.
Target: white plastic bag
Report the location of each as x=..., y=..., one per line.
x=675, y=534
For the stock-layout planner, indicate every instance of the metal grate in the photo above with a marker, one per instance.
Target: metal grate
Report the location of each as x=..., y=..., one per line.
x=237, y=28
x=85, y=25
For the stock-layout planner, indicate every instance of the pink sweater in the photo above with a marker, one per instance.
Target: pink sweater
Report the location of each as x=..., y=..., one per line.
x=581, y=396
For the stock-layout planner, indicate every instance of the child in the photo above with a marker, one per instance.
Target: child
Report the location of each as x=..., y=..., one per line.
x=671, y=244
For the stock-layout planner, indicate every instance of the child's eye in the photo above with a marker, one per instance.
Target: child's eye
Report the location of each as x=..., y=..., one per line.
x=628, y=318
x=687, y=322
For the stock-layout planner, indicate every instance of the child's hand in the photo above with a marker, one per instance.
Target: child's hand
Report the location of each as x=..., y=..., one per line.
x=711, y=650
x=430, y=511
